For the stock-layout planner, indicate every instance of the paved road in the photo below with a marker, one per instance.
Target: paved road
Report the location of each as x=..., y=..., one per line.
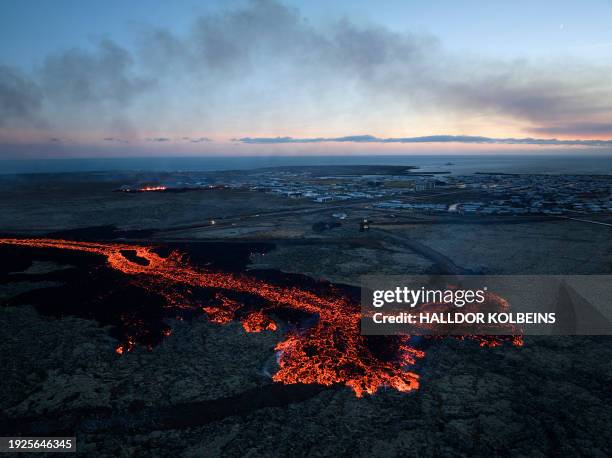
x=303, y=210
x=444, y=264
x=600, y=223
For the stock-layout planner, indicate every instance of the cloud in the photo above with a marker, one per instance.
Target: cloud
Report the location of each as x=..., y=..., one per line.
x=20, y=97
x=529, y=91
x=255, y=64
x=427, y=139
x=72, y=89
x=263, y=64
x=196, y=139
x=102, y=76
x=577, y=128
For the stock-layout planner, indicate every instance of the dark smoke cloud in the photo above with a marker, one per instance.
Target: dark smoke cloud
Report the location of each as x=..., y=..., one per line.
x=579, y=128
x=263, y=65
x=103, y=76
x=20, y=97
x=385, y=71
x=72, y=89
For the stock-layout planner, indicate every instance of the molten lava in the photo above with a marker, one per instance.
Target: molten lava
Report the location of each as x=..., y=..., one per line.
x=152, y=189
x=332, y=351
x=257, y=322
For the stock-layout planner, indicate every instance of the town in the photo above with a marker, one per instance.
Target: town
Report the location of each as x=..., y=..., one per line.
x=404, y=190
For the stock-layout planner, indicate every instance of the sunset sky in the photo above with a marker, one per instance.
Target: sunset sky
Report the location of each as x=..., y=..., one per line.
x=152, y=77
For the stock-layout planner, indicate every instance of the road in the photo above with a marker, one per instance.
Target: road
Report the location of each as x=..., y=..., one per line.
x=303, y=210
x=600, y=223
x=444, y=264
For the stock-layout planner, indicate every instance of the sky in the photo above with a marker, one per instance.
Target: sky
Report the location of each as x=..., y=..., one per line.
x=151, y=77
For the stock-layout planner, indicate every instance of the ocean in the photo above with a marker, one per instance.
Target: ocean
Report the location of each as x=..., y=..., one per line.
x=455, y=164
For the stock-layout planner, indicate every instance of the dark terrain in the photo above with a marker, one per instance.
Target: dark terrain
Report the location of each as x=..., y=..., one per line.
x=206, y=389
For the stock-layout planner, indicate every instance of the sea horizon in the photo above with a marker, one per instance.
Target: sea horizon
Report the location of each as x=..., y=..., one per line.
x=457, y=164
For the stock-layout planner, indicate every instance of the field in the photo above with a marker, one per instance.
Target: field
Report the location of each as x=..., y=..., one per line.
x=207, y=388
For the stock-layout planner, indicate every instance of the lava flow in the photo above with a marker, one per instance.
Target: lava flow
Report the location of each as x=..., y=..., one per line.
x=151, y=189
x=331, y=351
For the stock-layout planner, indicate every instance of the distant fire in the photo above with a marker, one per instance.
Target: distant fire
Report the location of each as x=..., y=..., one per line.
x=331, y=351
x=151, y=188
x=172, y=188
x=144, y=189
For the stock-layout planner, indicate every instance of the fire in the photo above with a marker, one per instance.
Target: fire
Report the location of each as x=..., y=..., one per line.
x=127, y=346
x=158, y=188
x=330, y=352
x=225, y=312
x=257, y=322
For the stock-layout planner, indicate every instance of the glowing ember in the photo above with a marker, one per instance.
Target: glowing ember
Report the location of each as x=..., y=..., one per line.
x=225, y=312
x=152, y=188
x=257, y=322
x=330, y=352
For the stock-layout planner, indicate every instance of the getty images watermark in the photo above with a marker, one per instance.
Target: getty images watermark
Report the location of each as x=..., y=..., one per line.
x=487, y=305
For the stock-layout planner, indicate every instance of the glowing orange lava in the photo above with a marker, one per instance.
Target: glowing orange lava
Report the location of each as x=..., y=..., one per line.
x=257, y=322
x=330, y=352
x=152, y=188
